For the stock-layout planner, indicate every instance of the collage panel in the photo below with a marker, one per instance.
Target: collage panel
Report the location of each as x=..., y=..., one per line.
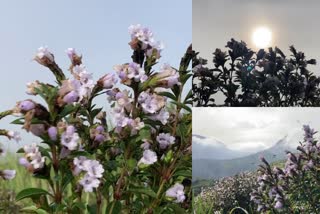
x=256, y=160
x=256, y=53
x=96, y=107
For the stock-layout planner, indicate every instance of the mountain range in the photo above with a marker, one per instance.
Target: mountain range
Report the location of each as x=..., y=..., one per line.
x=218, y=161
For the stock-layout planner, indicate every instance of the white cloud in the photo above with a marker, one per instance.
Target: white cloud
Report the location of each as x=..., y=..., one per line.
x=253, y=129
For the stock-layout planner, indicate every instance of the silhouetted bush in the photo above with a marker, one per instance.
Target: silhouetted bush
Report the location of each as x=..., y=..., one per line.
x=248, y=78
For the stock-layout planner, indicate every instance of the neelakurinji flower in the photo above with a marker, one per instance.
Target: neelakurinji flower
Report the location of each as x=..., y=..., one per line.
x=93, y=168
x=167, y=77
x=78, y=163
x=142, y=38
x=53, y=133
x=32, y=159
x=162, y=116
x=165, y=140
x=130, y=72
x=107, y=81
x=177, y=192
x=73, y=56
x=7, y=174
x=26, y=105
x=14, y=135
x=44, y=57
x=70, y=138
x=93, y=172
x=149, y=157
x=32, y=86
x=89, y=183
x=142, y=34
x=99, y=134
x=151, y=103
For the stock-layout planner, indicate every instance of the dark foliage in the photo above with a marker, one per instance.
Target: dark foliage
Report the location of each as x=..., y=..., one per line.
x=248, y=78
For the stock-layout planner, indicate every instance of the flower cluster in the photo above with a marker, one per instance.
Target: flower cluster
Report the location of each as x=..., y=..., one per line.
x=7, y=174
x=32, y=160
x=93, y=172
x=291, y=188
x=136, y=152
x=176, y=192
x=142, y=37
x=229, y=192
x=130, y=72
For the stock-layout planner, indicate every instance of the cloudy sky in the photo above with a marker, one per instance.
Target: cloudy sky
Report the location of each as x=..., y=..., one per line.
x=253, y=129
x=97, y=29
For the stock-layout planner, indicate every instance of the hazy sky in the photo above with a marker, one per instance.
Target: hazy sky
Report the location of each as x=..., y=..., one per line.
x=253, y=128
x=292, y=22
x=97, y=29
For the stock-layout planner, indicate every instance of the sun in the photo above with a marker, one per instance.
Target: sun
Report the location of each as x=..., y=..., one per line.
x=262, y=37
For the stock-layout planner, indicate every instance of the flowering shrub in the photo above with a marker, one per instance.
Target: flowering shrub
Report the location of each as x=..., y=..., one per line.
x=7, y=174
x=138, y=163
x=294, y=188
x=248, y=78
x=229, y=192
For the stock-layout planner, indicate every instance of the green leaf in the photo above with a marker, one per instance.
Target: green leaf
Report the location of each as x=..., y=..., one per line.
x=143, y=190
x=19, y=121
x=92, y=209
x=31, y=192
x=115, y=206
x=181, y=105
x=68, y=109
x=94, y=112
x=33, y=209
x=66, y=180
x=168, y=94
x=131, y=163
x=21, y=150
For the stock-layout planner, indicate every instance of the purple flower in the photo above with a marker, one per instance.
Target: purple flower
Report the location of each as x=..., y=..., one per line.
x=162, y=116
x=71, y=52
x=151, y=103
x=53, y=133
x=27, y=105
x=32, y=86
x=177, y=192
x=78, y=163
x=8, y=174
x=93, y=168
x=149, y=157
x=14, y=135
x=107, y=81
x=129, y=72
x=165, y=140
x=71, y=97
x=44, y=57
x=70, y=138
x=278, y=205
x=167, y=76
x=89, y=183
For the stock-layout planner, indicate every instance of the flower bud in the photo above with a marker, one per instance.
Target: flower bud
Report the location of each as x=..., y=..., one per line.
x=107, y=81
x=53, y=133
x=44, y=57
x=26, y=105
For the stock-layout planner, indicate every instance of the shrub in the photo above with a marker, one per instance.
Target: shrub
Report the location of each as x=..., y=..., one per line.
x=248, y=78
x=295, y=188
x=229, y=192
x=138, y=163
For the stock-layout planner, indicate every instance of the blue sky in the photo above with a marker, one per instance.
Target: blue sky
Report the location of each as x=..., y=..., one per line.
x=97, y=29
